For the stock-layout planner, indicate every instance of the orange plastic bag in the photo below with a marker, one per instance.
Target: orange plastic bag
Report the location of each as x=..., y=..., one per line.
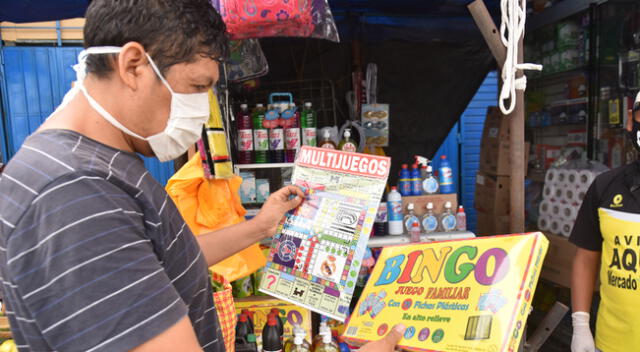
x=208, y=205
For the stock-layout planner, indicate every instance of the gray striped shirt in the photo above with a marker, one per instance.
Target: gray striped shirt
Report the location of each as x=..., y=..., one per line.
x=94, y=255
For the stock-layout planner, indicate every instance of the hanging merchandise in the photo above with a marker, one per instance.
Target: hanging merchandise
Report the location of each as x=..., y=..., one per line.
x=216, y=140
x=247, y=61
x=208, y=205
x=375, y=121
x=277, y=18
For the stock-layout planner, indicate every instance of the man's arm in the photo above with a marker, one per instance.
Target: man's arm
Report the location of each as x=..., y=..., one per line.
x=221, y=244
x=583, y=279
x=180, y=334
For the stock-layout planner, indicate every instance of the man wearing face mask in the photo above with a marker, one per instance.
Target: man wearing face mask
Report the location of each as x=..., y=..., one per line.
x=607, y=234
x=94, y=256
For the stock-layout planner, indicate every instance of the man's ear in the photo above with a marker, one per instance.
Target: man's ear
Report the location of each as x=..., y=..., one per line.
x=131, y=61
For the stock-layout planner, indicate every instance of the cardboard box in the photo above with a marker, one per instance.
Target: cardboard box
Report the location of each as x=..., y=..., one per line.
x=448, y=301
x=248, y=187
x=438, y=200
x=492, y=194
x=559, y=262
x=261, y=306
x=490, y=224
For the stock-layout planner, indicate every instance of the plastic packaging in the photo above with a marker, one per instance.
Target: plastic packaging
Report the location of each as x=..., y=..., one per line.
x=404, y=182
x=271, y=337
x=446, y=176
x=281, y=18
x=416, y=181
x=430, y=184
x=260, y=135
x=394, y=205
x=308, y=123
x=461, y=219
x=429, y=220
x=247, y=61
x=245, y=135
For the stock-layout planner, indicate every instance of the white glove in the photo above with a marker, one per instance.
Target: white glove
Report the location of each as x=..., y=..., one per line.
x=582, y=340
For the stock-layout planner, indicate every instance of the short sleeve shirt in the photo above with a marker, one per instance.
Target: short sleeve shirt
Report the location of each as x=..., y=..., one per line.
x=94, y=256
x=609, y=222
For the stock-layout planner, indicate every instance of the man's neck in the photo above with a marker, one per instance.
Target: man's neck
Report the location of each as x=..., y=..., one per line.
x=81, y=117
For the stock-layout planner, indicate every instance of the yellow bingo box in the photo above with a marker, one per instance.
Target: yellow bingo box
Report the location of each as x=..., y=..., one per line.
x=464, y=295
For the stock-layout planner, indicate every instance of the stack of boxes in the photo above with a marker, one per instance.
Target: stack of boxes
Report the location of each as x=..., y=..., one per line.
x=493, y=179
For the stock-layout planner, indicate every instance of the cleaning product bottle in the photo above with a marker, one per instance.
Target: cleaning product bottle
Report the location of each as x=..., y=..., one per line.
x=326, y=141
x=429, y=220
x=416, y=181
x=245, y=338
x=394, y=206
x=245, y=135
x=429, y=183
x=447, y=219
x=276, y=133
x=308, y=122
x=260, y=136
x=446, y=176
x=271, y=338
x=347, y=144
x=461, y=219
x=410, y=219
x=327, y=344
x=404, y=182
x=291, y=124
x=380, y=225
x=249, y=315
x=276, y=313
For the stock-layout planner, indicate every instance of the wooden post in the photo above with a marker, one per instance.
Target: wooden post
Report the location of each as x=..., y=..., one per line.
x=516, y=118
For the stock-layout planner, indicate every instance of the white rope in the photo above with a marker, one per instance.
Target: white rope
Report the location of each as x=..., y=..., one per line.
x=511, y=30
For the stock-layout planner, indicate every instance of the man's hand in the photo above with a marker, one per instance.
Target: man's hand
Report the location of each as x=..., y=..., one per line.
x=387, y=343
x=582, y=340
x=274, y=209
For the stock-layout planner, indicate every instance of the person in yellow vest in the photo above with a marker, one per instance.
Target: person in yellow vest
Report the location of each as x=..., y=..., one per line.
x=607, y=234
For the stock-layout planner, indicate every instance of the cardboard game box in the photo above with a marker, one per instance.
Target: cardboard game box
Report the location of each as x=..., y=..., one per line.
x=461, y=295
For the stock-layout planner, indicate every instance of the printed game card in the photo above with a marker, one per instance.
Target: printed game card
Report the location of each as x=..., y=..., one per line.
x=316, y=254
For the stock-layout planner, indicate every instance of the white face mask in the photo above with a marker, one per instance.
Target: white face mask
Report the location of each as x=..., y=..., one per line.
x=187, y=116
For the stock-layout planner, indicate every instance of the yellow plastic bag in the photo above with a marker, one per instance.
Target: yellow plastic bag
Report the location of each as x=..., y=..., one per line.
x=209, y=205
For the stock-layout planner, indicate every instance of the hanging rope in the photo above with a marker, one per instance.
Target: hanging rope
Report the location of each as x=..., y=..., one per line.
x=511, y=30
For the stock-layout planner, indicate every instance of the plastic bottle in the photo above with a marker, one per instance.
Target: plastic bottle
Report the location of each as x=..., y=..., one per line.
x=276, y=313
x=447, y=219
x=271, y=338
x=347, y=144
x=291, y=124
x=461, y=219
x=276, y=135
x=423, y=172
x=404, y=182
x=430, y=183
x=411, y=219
x=245, y=338
x=324, y=328
x=245, y=135
x=416, y=181
x=260, y=136
x=326, y=141
x=250, y=318
x=327, y=344
x=309, y=122
x=394, y=206
x=446, y=176
x=380, y=225
x=429, y=220
x=297, y=343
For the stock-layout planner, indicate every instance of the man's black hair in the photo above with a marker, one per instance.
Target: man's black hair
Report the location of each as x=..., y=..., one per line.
x=171, y=31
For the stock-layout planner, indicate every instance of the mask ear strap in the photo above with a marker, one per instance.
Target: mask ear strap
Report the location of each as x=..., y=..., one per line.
x=157, y=71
